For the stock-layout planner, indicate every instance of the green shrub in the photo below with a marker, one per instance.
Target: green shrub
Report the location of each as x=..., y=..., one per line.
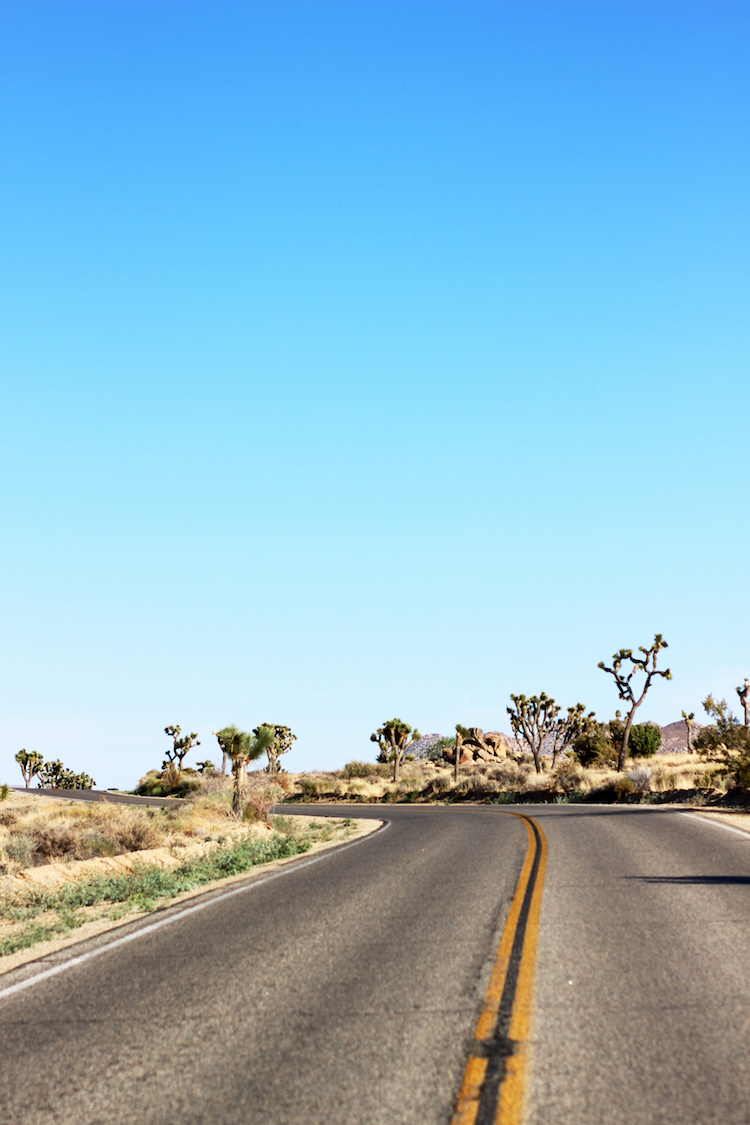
x=644, y=741
x=594, y=747
x=735, y=768
x=435, y=752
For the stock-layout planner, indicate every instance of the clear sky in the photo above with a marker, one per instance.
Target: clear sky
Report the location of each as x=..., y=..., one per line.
x=366, y=359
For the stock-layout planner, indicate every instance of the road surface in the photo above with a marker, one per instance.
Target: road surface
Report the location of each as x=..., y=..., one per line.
x=109, y=796
x=348, y=988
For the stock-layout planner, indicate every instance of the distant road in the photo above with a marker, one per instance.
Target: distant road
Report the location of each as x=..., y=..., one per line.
x=100, y=795
x=346, y=989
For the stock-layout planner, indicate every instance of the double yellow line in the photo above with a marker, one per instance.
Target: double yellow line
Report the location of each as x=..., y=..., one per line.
x=496, y=1073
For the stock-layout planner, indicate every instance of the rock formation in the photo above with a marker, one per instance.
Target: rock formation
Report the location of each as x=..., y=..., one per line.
x=480, y=747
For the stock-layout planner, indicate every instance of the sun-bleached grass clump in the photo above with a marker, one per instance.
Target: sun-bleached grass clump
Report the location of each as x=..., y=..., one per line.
x=39, y=830
x=36, y=830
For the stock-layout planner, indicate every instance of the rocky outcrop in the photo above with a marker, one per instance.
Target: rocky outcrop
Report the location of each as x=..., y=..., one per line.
x=480, y=747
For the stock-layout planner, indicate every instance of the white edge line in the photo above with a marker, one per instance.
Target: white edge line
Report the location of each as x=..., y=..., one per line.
x=179, y=914
x=717, y=824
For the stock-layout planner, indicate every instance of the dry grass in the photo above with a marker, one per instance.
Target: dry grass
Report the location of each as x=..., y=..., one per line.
x=70, y=865
x=428, y=781
x=37, y=830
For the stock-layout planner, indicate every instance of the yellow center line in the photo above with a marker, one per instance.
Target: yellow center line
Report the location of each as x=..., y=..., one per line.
x=513, y=1085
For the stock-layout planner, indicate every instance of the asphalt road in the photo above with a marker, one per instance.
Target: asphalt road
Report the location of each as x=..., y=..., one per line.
x=108, y=796
x=347, y=989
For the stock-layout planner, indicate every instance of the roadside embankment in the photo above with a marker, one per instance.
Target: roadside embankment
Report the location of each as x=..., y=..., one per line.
x=54, y=902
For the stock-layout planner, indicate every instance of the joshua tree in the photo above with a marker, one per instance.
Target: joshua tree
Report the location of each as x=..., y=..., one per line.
x=744, y=694
x=242, y=748
x=624, y=682
x=31, y=763
x=575, y=723
x=282, y=744
x=393, y=740
x=180, y=748
x=537, y=718
x=689, y=723
x=224, y=737
x=461, y=732
x=532, y=720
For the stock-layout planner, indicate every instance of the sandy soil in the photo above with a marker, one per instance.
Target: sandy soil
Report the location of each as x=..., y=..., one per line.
x=54, y=874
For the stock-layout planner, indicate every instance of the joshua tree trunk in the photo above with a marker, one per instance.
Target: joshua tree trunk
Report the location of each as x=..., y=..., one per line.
x=744, y=694
x=626, y=738
x=459, y=744
x=239, y=794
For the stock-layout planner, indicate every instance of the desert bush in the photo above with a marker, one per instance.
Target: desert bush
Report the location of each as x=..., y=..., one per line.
x=136, y=834
x=437, y=786
x=663, y=779
x=310, y=786
x=567, y=776
x=644, y=741
x=436, y=751
x=726, y=733
x=640, y=778
x=510, y=774
x=170, y=783
x=18, y=851
x=262, y=794
x=623, y=787
x=613, y=789
x=594, y=747
x=706, y=778
x=735, y=767
x=52, y=842
x=366, y=769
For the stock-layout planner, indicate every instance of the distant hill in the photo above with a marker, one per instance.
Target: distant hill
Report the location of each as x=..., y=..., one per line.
x=674, y=737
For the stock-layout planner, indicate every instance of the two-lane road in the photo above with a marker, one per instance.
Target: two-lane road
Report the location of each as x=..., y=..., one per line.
x=347, y=990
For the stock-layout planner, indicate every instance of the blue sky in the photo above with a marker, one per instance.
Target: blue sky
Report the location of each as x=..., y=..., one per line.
x=363, y=359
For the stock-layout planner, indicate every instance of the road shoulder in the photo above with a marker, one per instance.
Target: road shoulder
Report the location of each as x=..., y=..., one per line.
x=100, y=926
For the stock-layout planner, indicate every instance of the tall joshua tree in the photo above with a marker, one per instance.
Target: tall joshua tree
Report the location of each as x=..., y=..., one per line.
x=744, y=694
x=394, y=740
x=225, y=738
x=537, y=719
x=282, y=744
x=243, y=748
x=31, y=763
x=624, y=667
x=181, y=747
